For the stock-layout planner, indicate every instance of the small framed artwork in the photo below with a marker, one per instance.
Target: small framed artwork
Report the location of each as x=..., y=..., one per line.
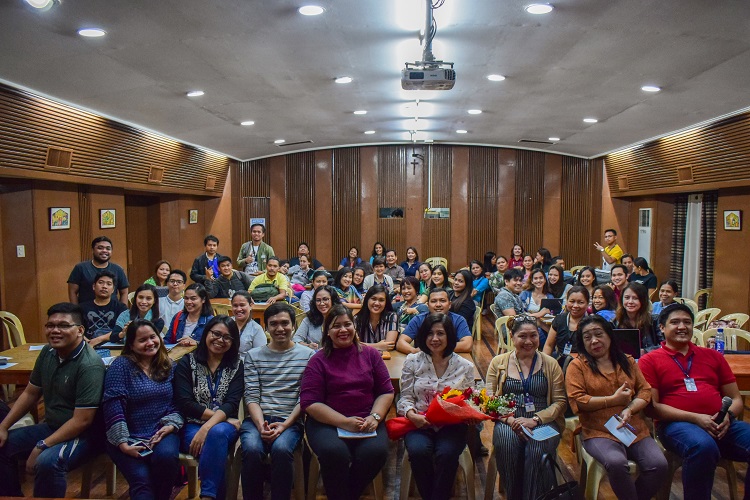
x=106, y=218
x=732, y=220
x=59, y=218
x=193, y=216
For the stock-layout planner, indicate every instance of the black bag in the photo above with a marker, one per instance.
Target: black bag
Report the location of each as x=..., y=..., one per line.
x=565, y=491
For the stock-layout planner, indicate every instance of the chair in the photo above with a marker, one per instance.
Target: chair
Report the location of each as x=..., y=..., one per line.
x=708, y=292
x=436, y=261
x=503, y=336
x=477, y=327
x=298, y=318
x=697, y=337
x=314, y=474
x=489, y=486
x=674, y=462
x=575, y=269
x=731, y=335
x=707, y=335
x=87, y=475
x=13, y=328
x=592, y=472
x=493, y=309
x=704, y=317
x=222, y=309
x=232, y=472
x=739, y=318
x=130, y=299
x=465, y=464
x=690, y=303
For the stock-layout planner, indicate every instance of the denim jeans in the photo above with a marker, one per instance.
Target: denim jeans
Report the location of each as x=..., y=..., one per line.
x=151, y=477
x=254, y=452
x=211, y=462
x=433, y=455
x=52, y=465
x=700, y=453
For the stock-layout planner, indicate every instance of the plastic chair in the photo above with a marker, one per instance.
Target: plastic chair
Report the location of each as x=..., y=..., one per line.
x=477, y=326
x=13, y=328
x=503, y=335
x=314, y=474
x=697, y=337
x=739, y=318
x=436, y=261
x=575, y=269
x=674, y=462
x=489, y=486
x=708, y=292
x=704, y=317
x=690, y=303
x=731, y=335
x=87, y=475
x=130, y=298
x=705, y=336
x=232, y=472
x=592, y=472
x=465, y=464
x=222, y=309
x=493, y=309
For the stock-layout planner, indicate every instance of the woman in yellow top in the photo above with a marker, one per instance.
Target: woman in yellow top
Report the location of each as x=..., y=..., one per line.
x=537, y=381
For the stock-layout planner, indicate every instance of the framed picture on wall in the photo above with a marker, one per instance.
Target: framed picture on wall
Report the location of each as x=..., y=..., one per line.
x=107, y=218
x=193, y=216
x=59, y=218
x=732, y=220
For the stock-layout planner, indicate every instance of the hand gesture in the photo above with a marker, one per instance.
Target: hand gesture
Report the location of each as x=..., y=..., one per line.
x=160, y=434
x=186, y=341
x=31, y=461
x=598, y=246
x=625, y=417
x=723, y=427
x=384, y=345
x=130, y=450
x=210, y=273
x=623, y=395
x=707, y=423
x=369, y=424
x=196, y=445
x=267, y=434
x=353, y=424
x=417, y=419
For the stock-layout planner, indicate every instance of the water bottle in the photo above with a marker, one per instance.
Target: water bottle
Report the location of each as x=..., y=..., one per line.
x=720, y=340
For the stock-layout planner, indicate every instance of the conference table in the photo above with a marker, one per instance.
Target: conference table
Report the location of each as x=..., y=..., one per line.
x=740, y=365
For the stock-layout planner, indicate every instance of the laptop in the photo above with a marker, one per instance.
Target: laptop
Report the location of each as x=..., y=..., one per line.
x=554, y=305
x=629, y=341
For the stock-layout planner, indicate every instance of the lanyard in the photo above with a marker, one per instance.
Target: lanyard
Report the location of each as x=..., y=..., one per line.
x=526, y=382
x=213, y=388
x=689, y=366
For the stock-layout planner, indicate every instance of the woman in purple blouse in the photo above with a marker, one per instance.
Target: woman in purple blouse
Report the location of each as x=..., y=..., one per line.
x=346, y=386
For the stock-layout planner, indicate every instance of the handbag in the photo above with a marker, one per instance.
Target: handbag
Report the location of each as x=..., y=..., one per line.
x=565, y=491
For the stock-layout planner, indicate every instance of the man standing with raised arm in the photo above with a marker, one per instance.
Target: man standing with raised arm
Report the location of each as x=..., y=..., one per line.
x=612, y=253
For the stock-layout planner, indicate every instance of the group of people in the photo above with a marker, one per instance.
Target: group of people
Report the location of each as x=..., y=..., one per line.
x=326, y=379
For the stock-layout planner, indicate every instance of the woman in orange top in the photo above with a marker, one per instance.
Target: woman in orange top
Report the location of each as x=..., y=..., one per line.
x=602, y=383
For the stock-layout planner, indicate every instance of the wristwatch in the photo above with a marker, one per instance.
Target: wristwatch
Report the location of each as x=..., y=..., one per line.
x=375, y=416
x=536, y=419
x=41, y=445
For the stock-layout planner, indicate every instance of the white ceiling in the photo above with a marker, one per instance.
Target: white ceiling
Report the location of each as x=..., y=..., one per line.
x=263, y=61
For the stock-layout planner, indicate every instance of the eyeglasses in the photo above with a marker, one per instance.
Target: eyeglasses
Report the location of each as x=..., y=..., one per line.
x=322, y=300
x=218, y=335
x=60, y=326
x=176, y=282
x=520, y=319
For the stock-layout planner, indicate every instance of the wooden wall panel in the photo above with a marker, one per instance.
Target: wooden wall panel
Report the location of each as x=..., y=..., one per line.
x=438, y=183
x=251, y=190
x=505, y=214
x=347, y=205
x=324, y=209
x=300, y=202
x=580, y=201
x=368, y=202
x=104, y=151
x=392, y=166
x=483, y=199
x=529, y=203
x=415, y=202
x=552, y=189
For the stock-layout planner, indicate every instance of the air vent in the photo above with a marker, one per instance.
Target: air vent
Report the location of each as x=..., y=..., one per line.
x=531, y=141
x=286, y=144
x=58, y=158
x=685, y=175
x=622, y=183
x=210, y=182
x=156, y=175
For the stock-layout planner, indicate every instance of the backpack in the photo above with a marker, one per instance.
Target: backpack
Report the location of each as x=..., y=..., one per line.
x=263, y=292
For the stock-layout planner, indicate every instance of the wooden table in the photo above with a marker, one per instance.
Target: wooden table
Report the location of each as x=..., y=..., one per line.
x=395, y=366
x=740, y=365
x=20, y=373
x=258, y=309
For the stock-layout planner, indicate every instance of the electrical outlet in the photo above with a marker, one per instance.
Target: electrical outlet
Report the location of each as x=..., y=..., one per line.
x=20, y=251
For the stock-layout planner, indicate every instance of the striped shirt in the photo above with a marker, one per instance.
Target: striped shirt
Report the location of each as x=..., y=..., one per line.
x=272, y=379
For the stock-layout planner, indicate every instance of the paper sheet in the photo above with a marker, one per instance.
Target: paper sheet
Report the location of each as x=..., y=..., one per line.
x=541, y=433
x=624, y=434
x=36, y=347
x=3, y=367
x=344, y=434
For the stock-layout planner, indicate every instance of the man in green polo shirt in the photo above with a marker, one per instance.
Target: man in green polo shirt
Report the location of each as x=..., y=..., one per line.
x=69, y=374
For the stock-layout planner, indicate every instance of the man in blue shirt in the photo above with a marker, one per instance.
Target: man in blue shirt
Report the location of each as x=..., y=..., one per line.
x=437, y=302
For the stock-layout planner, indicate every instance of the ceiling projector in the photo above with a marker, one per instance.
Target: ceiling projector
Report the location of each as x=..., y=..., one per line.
x=427, y=78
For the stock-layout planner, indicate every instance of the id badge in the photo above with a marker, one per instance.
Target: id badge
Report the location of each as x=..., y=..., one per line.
x=567, y=349
x=528, y=403
x=690, y=385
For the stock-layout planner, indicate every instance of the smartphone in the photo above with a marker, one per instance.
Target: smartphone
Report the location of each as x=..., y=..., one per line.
x=147, y=449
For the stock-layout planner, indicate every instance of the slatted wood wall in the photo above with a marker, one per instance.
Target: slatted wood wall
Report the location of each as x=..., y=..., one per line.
x=436, y=233
x=251, y=196
x=392, y=165
x=300, y=201
x=103, y=151
x=529, y=214
x=347, y=214
x=580, y=198
x=484, y=191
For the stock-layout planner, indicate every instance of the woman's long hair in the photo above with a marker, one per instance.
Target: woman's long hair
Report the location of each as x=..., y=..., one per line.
x=530, y=286
x=200, y=290
x=340, y=274
x=465, y=295
x=488, y=266
x=615, y=353
x=590, y=269
x=154, y=308
x=362, y=321
x=558, y=288
x=443, y=270
x=156, y=278
x=314, y=315
x=233, y=354
x=643, y=320
x=326, y=341
x=161, y=365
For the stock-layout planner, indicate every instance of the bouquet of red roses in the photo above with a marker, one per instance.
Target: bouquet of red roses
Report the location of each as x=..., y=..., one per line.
x=454, y=406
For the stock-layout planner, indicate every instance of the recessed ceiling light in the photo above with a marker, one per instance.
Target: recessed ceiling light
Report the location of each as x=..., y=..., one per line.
x=195, y=93
x=590, y=120
x=369, y=132
x=360, y=112
x=461, y=131
x=279, y=141
x=39, y=4
x=554, y=139
x=475, y=111
x=539, y=8
x=343, y=79
x=495, y=78
x=248, y=123
x=650, y=88
x=91, y=32
x=311, y=10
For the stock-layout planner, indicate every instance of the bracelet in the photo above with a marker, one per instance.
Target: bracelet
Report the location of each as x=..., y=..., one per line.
x=605, y=401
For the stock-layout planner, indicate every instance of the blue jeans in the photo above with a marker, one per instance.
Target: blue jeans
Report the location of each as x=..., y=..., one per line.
x=213, y=456
x=52, y=465
x=433, y=455
x=700, y=453
x=254, y=452
x=151, y=477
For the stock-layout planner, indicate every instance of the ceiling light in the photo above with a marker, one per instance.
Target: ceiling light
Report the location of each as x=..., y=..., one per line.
x=343, y=79
x=539, y=8
x=554, y=139
x=311, y=10
x=369, y=132
x=39, y=4
x=475, y=111
x=360, y=112
x=279, y=141
x=650, y=88
x=461, y=131
x=495, y=78
x=248, y=123
x=590, y=120
x=91, y=32
x=195, y=93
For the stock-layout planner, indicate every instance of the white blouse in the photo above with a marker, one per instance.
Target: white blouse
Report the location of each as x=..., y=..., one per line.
x=419, y=382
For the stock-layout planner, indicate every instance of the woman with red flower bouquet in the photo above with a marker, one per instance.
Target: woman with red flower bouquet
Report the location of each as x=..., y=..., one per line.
x=433, y=451
x=537, y=380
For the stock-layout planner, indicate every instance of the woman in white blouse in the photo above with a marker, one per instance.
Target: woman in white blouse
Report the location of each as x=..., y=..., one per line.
x=433, y=451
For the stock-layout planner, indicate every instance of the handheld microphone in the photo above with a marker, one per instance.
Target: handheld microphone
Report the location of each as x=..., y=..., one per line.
x=726, y=402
